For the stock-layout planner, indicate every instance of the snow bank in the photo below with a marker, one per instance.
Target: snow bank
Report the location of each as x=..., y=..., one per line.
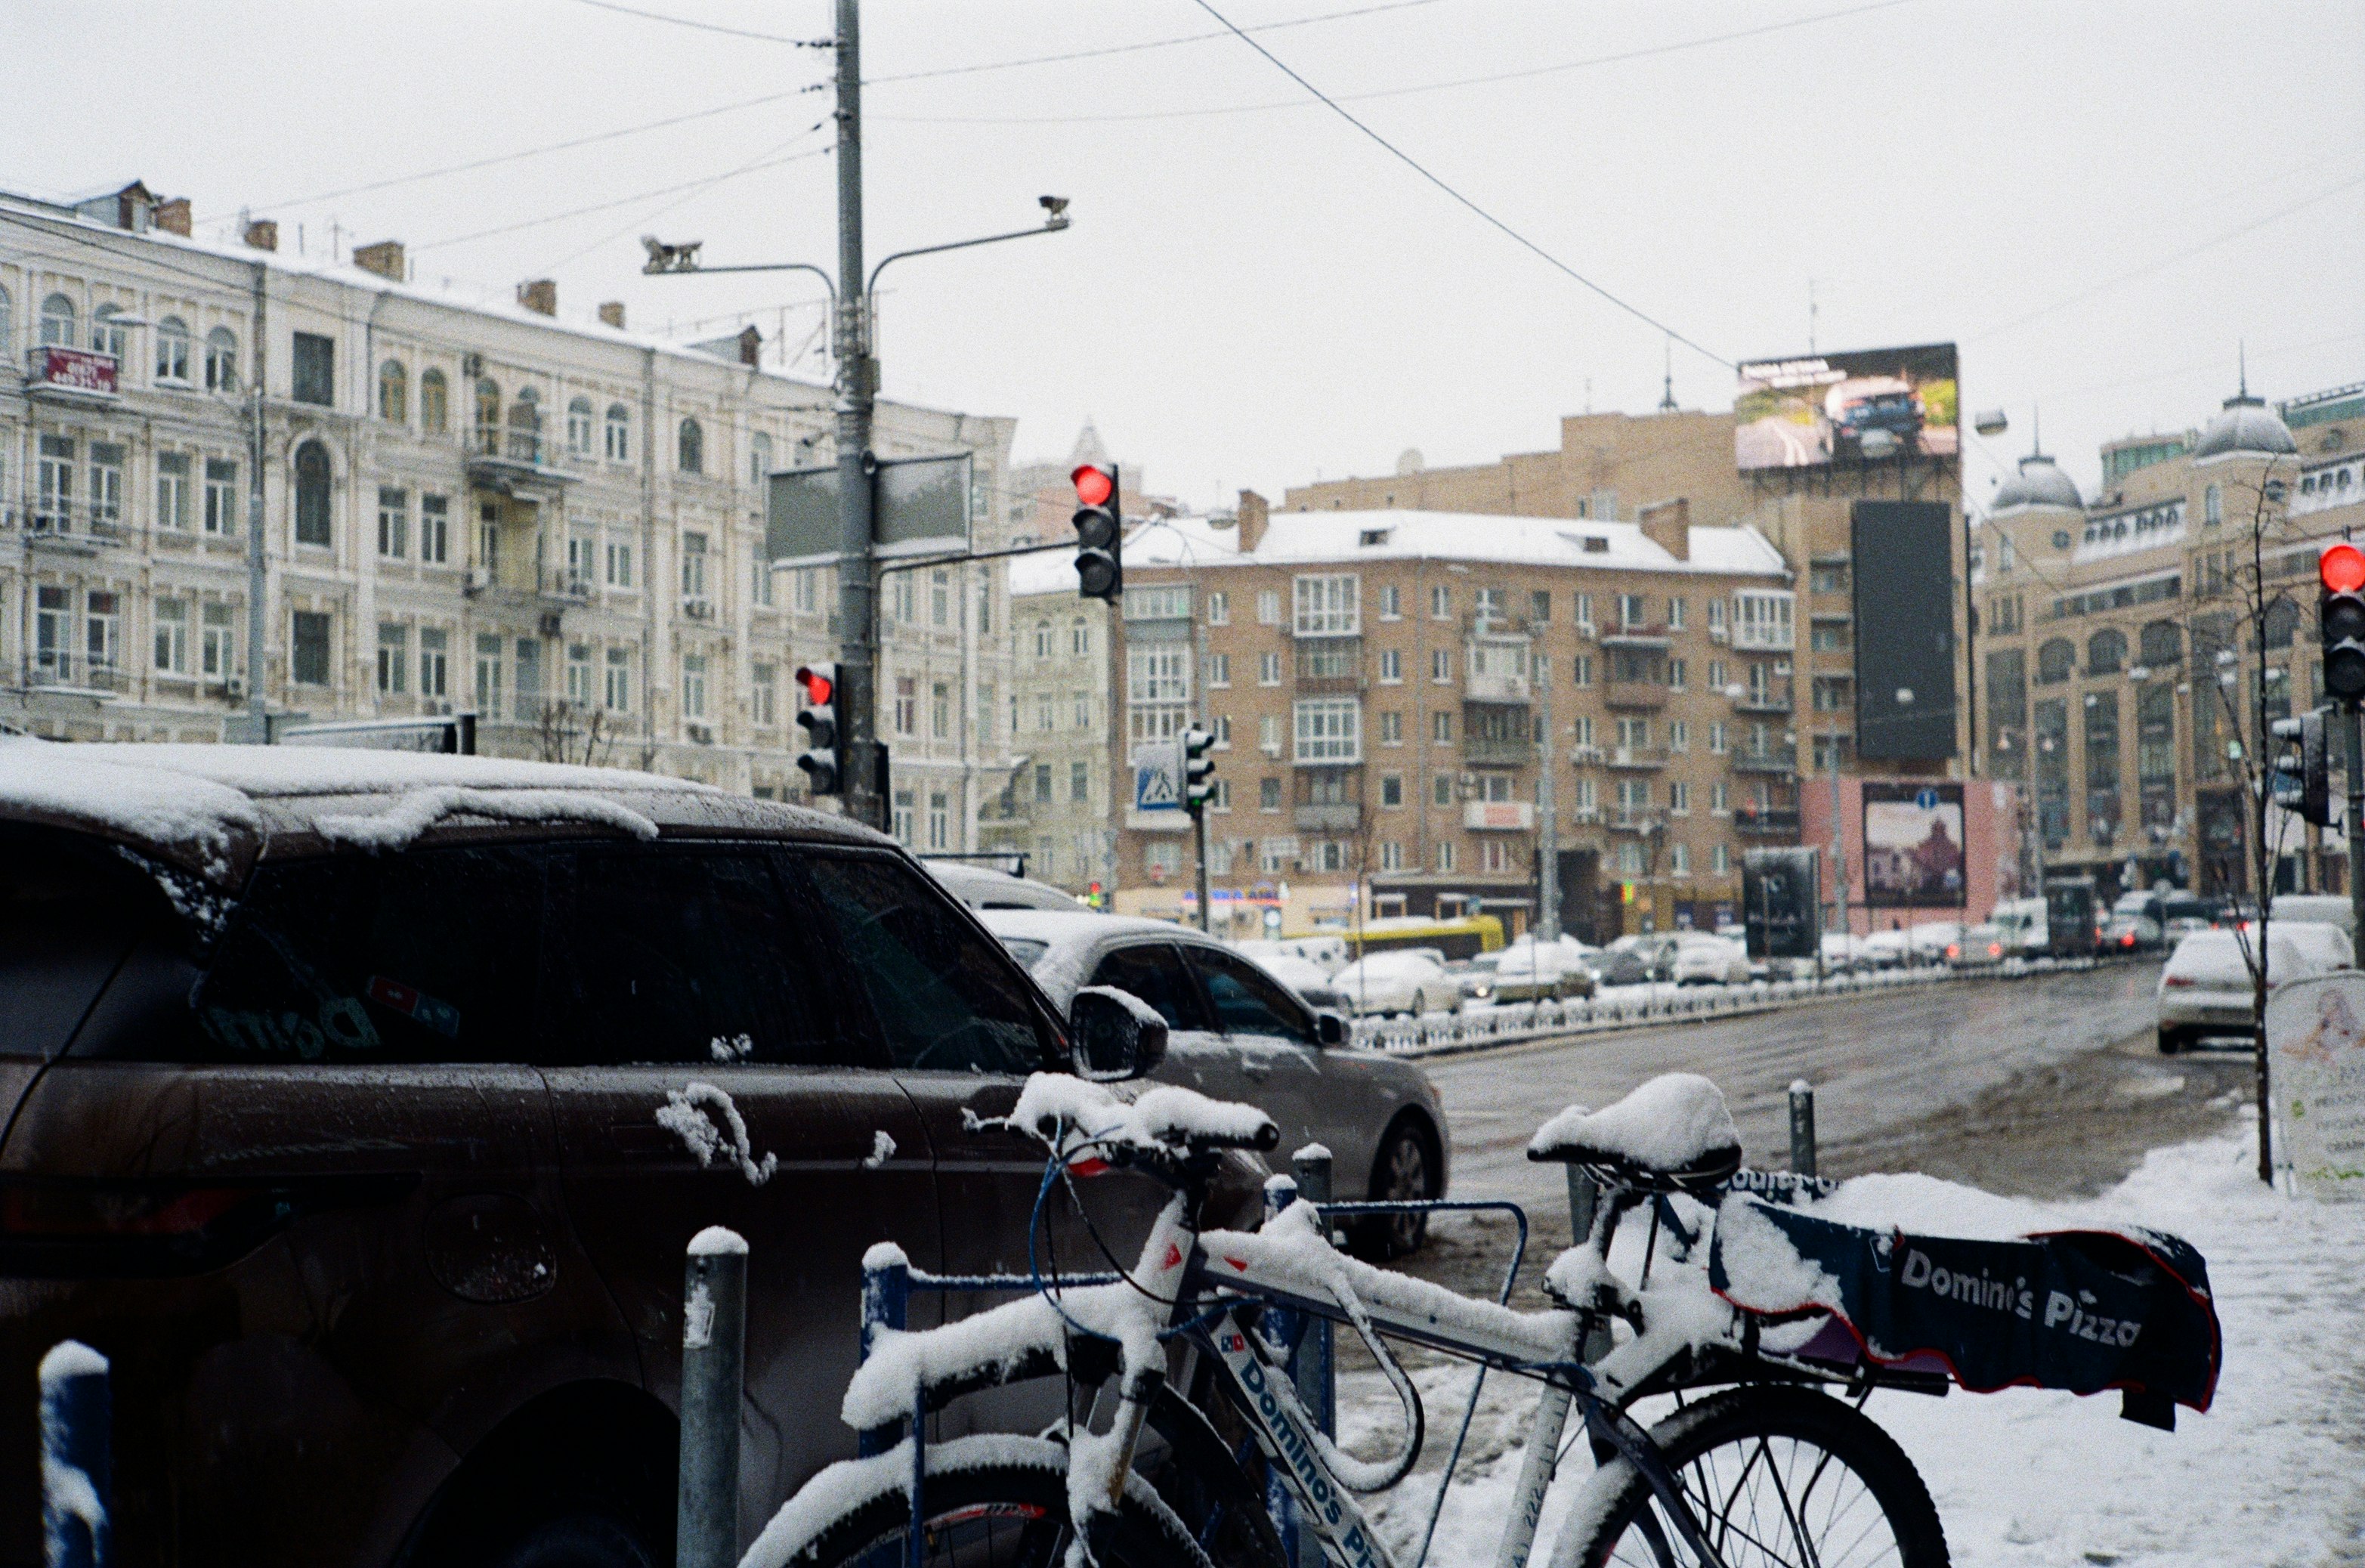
x=1676, y=1119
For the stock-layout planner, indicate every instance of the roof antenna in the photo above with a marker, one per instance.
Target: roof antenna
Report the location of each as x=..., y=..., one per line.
x=1668, y=397
x=2036, y=431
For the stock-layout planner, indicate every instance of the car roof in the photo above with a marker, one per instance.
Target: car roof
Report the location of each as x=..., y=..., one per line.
x=215, y=811
x=981, y=887
x=1071, y=938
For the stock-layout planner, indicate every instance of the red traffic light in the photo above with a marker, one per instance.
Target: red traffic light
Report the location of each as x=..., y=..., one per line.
x=2341, y=568
x=819, y=688
x=1094, y=485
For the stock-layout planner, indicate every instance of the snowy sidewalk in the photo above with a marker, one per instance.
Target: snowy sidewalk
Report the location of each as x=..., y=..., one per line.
x=2273, y=1477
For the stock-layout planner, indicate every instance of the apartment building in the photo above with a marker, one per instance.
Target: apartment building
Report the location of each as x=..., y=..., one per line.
x=1389, y=688
x=2116, y=659
x=557, y=522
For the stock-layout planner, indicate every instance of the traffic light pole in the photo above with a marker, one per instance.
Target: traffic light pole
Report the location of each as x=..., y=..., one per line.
x=1199, y=833
x=2353, y=730
x=865, y=800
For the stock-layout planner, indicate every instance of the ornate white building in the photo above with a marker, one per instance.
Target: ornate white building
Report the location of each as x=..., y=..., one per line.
x=557, y=524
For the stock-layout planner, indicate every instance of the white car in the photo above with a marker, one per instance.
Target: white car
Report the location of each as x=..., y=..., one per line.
x=1702, y=960
x=981, y=887
x=2326, y=945
x=2206, y=988
x=1410, y=980
x=1329, y=954
x=1304, y=977
x=1926, y=943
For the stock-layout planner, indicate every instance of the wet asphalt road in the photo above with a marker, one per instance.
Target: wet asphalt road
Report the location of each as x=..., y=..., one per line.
x=1876, y=1062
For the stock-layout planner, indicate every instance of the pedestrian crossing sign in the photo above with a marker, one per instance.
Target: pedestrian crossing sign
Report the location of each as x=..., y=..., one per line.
x=1158, y=777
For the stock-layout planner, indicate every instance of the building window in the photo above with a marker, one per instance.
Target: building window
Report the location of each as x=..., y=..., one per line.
x=107, y=333
x=312, y=494
x=1329, y=730
x=578, y=427
x=940, y=711
x=901, y=818
x=1441, y=665
x=57, y=322
x=221, y=498
x=1675, y=608
x=308, y=644
x=1392, y=666
x=393, y=522
x=1267, y=669
x=315, y=370
x=172, y=491
x=1169, y=601
x=693, y=686
x=221, y=360
x=691, y=457
x=939, y=820
x=528, y=686
x=434, y=403
x=1081, y=712
x=434, y=663
x=940, y=599
x=392, y=392
x=173, y=637
x=1390, y=602
x=1391, y=790
x=1269, y=794
x=1441, y=602
x=1219, y=669
x=1445, y=855
x=434, y=529
x=1079, y=782
x=620, y=564
x=1327, y=606
x=107, y=485
x=1080, y=639
x=1540, y=605
x=488, y=675
x=1269, y=607
x=759, y=457
x=1679, y=797
x=907, y=704
x=214, y=651
x=172, y=348
x=693, y=566
x=1440, y=727
x=1392, y=727
x=618, y=692
x=578, y=675
x=1716, y=737
x=1219, y=608
x=1269, y=734
x=618, y=433
x=2213, y=507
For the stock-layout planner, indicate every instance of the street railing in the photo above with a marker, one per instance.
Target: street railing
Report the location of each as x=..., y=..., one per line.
x=1447, y=1033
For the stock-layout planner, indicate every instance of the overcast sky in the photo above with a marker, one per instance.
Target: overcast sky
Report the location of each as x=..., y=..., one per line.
x=2097, y=201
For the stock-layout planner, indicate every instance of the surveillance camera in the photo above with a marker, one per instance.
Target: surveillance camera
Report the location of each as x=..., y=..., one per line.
x=1053, y=205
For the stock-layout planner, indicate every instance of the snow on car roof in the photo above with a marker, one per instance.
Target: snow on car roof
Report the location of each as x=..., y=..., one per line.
x=1069, y=937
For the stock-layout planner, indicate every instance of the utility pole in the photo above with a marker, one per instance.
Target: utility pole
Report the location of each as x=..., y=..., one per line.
x=258, y=668
x=865, y=798
x=1547, y=821
x=2352, y=730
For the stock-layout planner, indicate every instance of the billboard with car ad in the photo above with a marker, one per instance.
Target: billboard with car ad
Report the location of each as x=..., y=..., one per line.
x=1840, y=409
x=1913, y=846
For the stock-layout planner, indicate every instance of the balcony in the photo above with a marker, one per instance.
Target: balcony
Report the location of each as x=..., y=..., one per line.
x=1635, y=635
x=509, y=458
x=1633, y=819
x=1497, y=751
x=1767, y=700
x=1632, y=757
x=1329, y=666
x=1497, y=671
x=77, y=526
x=569, y=587
x=72, y=376
x=1766, y=822
x=1766, y=759
x=1338, y=816
x=1634, y=694
x=1499, y=816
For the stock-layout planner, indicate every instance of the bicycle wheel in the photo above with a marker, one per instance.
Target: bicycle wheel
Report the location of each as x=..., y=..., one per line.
x=1776, y=1477
x=1003, y=1505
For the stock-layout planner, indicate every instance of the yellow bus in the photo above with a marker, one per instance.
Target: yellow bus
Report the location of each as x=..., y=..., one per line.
x=1463, y=938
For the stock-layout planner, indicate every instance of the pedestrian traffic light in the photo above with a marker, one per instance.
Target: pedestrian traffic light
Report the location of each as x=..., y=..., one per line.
x=2302, y=778
x=823, y=758
x=1198, y=769
x=2340, y=619
x=1100, y=532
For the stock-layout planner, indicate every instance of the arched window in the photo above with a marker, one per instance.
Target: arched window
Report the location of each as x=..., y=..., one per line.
x=2106, y=652
x=692, y=456
x=393, y=392
x=2055, y=660
x=221, y=360
x=7, y=322
x=2160, y=643
x=107, y=333
x=525, y=427
x=2212, y=505
x=620, y=433
x=434, y=402
x=578, y=428
x=172, y=348
x=759, y=459
x=57, y=322
x=488, y=417
x=2282, y=621
x=312, y=494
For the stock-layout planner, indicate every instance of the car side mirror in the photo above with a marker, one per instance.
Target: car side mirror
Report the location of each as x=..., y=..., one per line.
x=1114, y=1036
x=1329, y=1029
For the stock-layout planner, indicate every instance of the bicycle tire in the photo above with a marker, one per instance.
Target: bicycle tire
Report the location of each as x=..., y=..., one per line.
x=1746, y=1453
x=990, y=1503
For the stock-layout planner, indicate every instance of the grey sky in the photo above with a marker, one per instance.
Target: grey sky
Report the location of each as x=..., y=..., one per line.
x=1253, y=297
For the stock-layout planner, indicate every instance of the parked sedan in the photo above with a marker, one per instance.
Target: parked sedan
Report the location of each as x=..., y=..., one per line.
x=1525, y=974
x=1982, y=944
x=1239, y=1034
x=2207, y=989
x=1618, y=966
x=1308, y=978
x=1411, y=981
x=1702, y=960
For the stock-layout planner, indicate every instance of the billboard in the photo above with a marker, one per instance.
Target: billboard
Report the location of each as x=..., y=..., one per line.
x=1913, y=846
x=1782, y=909
x=1847, y=409
x=1904, y=604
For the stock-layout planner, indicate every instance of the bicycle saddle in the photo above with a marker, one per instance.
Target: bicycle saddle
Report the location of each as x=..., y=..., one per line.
x=1673, y=1134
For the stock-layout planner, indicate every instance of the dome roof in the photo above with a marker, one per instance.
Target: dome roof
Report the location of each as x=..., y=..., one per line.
x=2246, y=425
x=2039, y=483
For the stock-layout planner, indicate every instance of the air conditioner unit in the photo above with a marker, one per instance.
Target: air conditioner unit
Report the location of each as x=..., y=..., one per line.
x=1585, y=629
x=698, y=609
x=700, y=735
x=1719, y=635
x=1781, y=667
x=479, y=578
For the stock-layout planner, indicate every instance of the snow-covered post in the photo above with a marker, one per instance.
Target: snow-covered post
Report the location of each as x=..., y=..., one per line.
x=1802, y=1127
x=1316, y=1389
x=1281, y=1329
x=76, y=1471
x=713, y=1354
x=886, y=1305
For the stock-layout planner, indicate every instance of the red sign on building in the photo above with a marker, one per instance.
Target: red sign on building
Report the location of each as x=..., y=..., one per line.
x=72, y=370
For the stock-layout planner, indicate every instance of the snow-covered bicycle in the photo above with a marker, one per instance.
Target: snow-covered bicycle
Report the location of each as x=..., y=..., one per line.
x=1763, y=1461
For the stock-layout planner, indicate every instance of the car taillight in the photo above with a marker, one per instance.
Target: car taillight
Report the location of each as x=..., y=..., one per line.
x=2126, y=939
x=2177, y=982
x=1954, y=950
x=1995, y=949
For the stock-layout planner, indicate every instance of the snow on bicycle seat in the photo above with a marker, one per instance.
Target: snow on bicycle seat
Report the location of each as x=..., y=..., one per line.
x=1672, y=1132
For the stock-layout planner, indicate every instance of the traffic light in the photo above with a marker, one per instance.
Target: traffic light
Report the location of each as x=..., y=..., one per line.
x=2340, y=619
x=2302, y=781
x=1198, y=769
x=823, y=758
x=1100, y=532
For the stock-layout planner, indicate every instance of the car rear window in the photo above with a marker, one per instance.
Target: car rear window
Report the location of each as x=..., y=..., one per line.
x=71, y=907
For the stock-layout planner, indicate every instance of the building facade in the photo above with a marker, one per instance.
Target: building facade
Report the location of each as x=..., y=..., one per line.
x=556, y=523
x=2119, y=652
x=1390, y=691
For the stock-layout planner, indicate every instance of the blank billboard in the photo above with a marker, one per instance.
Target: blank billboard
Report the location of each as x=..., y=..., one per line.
x=1905, y=696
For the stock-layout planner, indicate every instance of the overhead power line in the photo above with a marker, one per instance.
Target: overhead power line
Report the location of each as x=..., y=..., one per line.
x=705, y=26
x=749, y=167
x=622, y=201
x=1409, y=162
x=1137, y=48
x=1490, y=78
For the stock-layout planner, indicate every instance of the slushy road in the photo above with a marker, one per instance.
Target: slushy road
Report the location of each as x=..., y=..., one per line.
x=1877, y=1061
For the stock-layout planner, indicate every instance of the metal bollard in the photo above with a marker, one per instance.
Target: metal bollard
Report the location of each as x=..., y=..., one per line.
x=77, y=1474
x=713, y=1357
x=1802, y=1128
x=1280, y=1328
